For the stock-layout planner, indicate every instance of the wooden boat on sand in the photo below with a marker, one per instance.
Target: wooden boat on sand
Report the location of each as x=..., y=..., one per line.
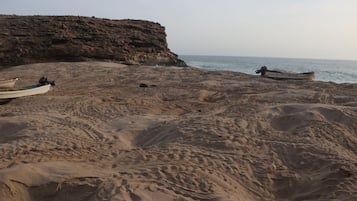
x=28, y=91
x=281, y=75
x=43, y=86
x=10, y=83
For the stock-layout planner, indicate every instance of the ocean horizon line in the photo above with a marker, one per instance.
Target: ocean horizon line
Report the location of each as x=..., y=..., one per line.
x=272, y=57
x=339, y=71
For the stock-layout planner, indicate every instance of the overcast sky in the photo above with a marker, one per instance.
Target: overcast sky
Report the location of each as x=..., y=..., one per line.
x=268, y=28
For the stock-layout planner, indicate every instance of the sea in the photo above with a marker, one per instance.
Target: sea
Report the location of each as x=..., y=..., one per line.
x=338, y=71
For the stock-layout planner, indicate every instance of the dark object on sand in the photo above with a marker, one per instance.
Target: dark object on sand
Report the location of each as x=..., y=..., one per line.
x=143, y=85
x=43, y=81
x=4, y=101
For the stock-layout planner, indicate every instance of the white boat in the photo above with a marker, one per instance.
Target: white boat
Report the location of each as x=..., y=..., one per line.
x=8, y=83
x=28, y=91
x=281, y=75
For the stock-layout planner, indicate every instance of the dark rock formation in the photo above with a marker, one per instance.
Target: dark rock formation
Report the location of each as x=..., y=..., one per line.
x=32, y=39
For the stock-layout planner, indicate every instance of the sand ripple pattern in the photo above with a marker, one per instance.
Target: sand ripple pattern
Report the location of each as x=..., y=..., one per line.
x=190, y=134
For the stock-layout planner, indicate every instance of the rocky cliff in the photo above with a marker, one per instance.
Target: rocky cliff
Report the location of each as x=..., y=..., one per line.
x=32, y=39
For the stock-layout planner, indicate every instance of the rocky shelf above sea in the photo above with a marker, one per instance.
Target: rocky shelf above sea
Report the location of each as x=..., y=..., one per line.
x=34, y=39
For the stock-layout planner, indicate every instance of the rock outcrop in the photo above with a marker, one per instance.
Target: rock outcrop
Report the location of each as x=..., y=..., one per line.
x=32, y=39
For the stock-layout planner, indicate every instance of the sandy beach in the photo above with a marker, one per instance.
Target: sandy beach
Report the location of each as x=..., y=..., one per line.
x=108, y=131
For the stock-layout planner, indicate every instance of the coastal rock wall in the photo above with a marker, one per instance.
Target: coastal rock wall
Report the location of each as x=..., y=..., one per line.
x=32, y=39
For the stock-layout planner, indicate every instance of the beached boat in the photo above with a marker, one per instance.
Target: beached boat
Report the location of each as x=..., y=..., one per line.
x=10, y=83
x=28, y=91
x=281, y=75
x=43, y=86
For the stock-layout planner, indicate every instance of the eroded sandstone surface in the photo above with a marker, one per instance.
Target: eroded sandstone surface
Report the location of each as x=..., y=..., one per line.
x=34, y=39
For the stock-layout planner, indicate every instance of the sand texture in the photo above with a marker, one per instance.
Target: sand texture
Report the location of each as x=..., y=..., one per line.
x=108, y=131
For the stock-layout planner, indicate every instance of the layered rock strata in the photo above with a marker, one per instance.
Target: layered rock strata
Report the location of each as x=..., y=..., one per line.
x=33, y=39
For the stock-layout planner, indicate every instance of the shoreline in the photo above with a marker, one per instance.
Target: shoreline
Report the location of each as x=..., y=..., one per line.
x=338, y=71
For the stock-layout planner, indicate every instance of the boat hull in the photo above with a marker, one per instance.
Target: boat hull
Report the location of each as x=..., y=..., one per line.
x=25, y=92
x=289, y=76
x=5, y=84
x=282, y=75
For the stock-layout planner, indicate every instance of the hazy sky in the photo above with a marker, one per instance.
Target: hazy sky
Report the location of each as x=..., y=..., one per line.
x=270, y=28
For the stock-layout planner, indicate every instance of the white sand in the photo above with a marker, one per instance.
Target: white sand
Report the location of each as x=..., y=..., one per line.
x=191, y=135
